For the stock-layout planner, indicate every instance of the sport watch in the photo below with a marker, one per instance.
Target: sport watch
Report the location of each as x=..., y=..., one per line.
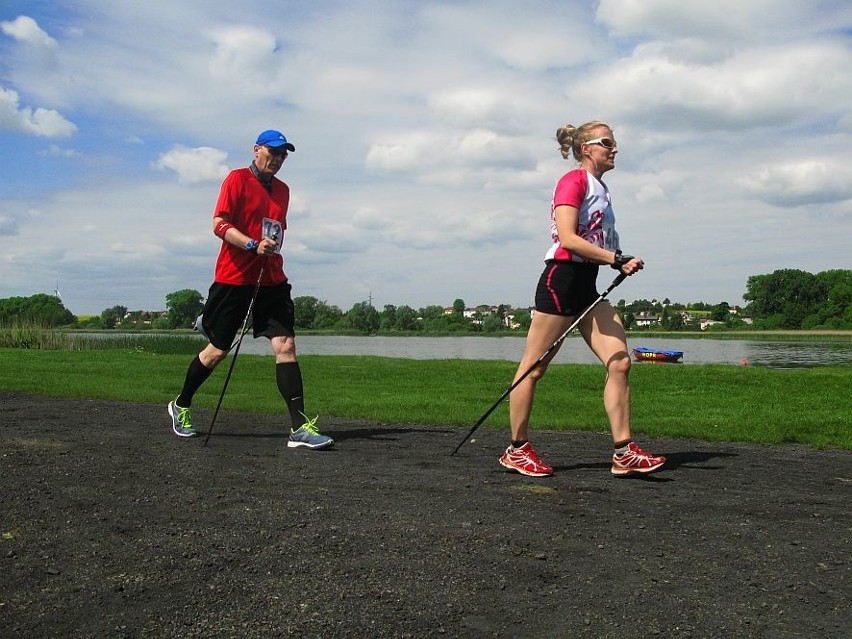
x=620, y=260
x=251, y=246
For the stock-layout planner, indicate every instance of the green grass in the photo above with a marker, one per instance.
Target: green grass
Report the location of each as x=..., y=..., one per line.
x=710, y=402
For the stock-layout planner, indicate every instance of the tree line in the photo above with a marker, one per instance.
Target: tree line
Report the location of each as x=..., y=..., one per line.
x=784, y=299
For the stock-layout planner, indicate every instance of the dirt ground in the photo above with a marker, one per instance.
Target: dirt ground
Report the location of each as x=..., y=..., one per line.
x=113, y=527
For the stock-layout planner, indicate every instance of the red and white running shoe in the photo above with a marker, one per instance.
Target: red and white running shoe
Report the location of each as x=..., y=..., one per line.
x=636, y=460
x=526, y=461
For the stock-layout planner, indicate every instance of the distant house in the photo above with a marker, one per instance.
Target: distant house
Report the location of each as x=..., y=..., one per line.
x=644, y=319
x=143, y=317
x=509, y=322
x=477, y=314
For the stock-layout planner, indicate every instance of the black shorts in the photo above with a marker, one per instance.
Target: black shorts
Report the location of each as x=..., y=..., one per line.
x=273, y=313
x=566, y=288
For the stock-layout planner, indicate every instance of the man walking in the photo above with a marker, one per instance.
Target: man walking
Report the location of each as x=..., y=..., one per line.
x=251, y=218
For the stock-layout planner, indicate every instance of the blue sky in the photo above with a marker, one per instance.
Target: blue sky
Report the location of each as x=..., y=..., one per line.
x=425, y=144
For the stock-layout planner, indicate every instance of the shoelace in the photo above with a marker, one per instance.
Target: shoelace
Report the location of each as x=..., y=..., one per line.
x=533, y=456
x=184, y=417
x=310, y=425
x=637, y=456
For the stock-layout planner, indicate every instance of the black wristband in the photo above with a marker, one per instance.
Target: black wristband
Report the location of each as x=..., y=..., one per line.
x=251, y=246
x=620, y=260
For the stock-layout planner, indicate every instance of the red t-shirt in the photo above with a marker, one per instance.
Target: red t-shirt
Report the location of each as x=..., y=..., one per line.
x=246, y=204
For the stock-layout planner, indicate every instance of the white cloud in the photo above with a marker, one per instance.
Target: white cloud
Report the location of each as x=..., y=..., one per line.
x=42, y=122
x=650, y=193
x=734, y=21
x=404, y=153
x=244, y=55
x=201, y=164
x=25, y=29
x=432, y=154
x=755, y=88
x=530, y=36
x=60, y=152
x=494, y=107
x=793, y=184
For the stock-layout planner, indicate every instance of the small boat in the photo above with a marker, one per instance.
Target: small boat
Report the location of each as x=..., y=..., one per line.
x=643, y=354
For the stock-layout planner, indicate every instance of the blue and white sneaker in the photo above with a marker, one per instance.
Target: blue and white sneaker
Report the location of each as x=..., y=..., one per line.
x=307, y=436
x=181, y=421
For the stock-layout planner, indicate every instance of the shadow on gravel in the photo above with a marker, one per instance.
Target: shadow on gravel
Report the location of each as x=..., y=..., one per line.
x=339, y=435
x=375, y=433
x=595, y=466
x=686, y=459
x=652, y=478
x=270, y=435
x=679, y=460
x=673, y=461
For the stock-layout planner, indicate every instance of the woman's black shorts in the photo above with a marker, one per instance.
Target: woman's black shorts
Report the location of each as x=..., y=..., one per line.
x=273, y=313
x=566, y=288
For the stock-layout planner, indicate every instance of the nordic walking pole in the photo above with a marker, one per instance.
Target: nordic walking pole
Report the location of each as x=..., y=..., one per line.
x=618, y=280
x=237, y=351
x=234, y=358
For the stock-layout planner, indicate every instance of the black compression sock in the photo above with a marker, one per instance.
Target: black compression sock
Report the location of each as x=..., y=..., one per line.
x=196, y=375
x=289, y=378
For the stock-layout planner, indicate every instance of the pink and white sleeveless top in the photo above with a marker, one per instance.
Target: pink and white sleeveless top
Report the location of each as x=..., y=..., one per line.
x=581, y=190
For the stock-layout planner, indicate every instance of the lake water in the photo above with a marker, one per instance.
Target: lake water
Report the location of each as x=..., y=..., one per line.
x=775, y=354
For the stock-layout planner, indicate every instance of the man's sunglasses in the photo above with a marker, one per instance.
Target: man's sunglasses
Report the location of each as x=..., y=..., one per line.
x=279, y=153
x=607, y=143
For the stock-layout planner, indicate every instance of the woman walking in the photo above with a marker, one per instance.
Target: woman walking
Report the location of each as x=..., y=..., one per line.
x=582, y=228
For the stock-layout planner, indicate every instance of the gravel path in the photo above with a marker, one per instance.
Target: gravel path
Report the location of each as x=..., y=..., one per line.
x=112, y=527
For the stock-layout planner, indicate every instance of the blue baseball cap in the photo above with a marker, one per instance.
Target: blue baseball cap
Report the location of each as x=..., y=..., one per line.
x=275, y=139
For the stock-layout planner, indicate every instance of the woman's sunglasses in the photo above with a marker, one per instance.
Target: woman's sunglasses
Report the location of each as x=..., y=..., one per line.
x=607, y=143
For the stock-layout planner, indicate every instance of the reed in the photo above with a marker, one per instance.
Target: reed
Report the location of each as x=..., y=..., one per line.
x=32, y=337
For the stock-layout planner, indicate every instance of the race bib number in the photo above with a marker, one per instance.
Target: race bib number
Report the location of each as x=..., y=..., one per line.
x=273, y=230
